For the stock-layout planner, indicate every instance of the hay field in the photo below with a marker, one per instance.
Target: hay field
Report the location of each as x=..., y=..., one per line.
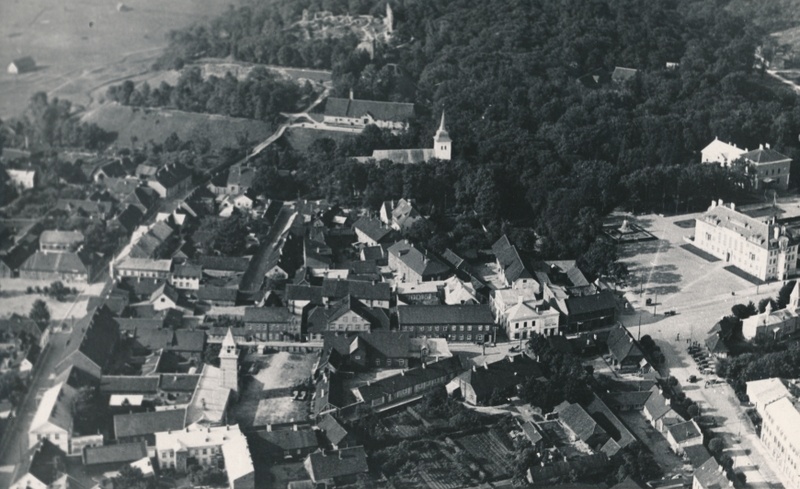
x=158, y=124
x=80, y=45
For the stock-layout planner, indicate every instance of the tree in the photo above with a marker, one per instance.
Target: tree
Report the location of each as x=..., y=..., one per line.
x=40, y=312
x=132, y=478
x=59, y=291
x=693, y=410
x=782, y=300
x=715, y=446
x=742, y=311
x=232, y=236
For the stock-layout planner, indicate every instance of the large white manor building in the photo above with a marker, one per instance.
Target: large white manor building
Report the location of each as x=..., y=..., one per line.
x=760, y=248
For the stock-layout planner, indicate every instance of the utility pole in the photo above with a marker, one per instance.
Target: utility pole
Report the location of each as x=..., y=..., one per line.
x=639, y=334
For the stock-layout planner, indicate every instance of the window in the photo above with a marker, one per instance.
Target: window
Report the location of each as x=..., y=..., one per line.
x=469, y=328
x=461, y=328
x=377, y=362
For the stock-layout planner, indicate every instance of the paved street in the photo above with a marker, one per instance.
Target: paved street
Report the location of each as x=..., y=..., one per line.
x=701, y=293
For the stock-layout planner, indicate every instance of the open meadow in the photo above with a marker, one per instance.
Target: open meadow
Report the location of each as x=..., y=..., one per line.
x=80, y=45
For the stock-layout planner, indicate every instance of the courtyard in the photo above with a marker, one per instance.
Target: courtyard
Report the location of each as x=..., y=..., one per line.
x=267, y=397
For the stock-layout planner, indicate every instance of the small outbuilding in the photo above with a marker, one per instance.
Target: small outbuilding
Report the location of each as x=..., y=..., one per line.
x=21, y=65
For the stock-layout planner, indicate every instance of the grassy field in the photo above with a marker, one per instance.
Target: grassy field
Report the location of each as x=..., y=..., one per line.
x=79, y=45
x=158, y=124
x=300, y=139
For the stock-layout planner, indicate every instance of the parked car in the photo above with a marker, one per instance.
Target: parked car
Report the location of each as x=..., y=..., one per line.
x=692, y=379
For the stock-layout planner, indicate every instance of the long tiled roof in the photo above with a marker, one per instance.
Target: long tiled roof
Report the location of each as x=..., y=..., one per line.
x=224, y=263
x=449, y=367
x=128, y=384
x=309, y=293
x=55, y=262
x=382, y=111
x=290, y=439
x=94, y=336
x=372, y=227
x=61, y=237
x=764, y=155
x=390, y=344
x=621, y=344
x=601, y=301
x=448, y=315
x=267, y=315
x=425, y=264
x=138, y=424
x=122, y=453
x=337, y=289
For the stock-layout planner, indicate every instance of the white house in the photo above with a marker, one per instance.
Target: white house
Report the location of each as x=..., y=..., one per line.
x=53, y=418
x=721, y=152
x=527, y=317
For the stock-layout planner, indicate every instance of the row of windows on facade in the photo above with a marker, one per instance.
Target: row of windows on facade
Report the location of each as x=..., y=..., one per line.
x=398, y=361
x=193, y=452
x=444, y=328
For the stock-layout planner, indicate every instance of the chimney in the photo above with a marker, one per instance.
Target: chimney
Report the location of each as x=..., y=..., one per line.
x=424, y=365
x=733, y=206
x=713, y=204
x=351, y=94
x=721, y=469
x=776, y=232
x=474, y=368
x=269, y=428
x=720, y=203
x=485, y=366
x=767, y=145
x=760, y=146
x=294, y=427
x=340, y=454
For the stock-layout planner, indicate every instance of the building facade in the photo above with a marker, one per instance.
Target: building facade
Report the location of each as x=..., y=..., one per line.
x=780, y=433
x=761, y=249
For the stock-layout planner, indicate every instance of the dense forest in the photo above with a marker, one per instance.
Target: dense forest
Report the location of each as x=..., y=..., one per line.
x=261, y=95
x=544, y=141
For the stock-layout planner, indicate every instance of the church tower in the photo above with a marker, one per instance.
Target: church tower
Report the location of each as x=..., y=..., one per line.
x=442, y=144
x=229, y=362
x=388, y=21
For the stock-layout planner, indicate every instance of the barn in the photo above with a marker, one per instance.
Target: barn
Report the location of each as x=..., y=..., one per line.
x=21, y=65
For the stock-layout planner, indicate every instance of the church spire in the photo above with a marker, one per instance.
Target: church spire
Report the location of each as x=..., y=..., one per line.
x=441, y=124
x=442, y=144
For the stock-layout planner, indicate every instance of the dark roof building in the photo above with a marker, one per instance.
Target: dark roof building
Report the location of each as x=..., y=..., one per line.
x=409, y=383
x=413, y=265
x=289, y=443
x=462, y=322
x=351, y=108
x=333, y=431
x=114, y=454
x=364, y=350
x=479, y=384
x=139, y=424
x=625, y=352
x=372, y=231
x=92, y=342
x=336, y=467
x=581, y=424
x=373, y=294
